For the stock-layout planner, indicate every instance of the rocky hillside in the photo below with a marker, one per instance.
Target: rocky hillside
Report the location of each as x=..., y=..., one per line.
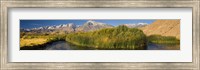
x=164, y=28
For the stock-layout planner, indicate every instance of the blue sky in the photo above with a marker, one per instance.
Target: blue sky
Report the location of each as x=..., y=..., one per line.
x=40, y=23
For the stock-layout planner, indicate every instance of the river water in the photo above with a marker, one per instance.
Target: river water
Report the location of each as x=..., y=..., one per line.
x=63, y=45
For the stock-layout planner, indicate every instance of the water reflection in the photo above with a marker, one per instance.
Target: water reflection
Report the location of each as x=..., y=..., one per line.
x=63, y=45
x=152, y=46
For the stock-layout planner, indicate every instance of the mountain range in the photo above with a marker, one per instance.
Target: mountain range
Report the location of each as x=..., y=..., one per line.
x=71, y=27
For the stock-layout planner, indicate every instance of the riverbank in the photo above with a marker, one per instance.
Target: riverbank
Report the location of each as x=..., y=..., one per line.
x=38, y=46
x=34, y=41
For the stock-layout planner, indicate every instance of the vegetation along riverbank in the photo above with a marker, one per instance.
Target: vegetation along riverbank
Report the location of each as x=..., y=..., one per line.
x=120, y=37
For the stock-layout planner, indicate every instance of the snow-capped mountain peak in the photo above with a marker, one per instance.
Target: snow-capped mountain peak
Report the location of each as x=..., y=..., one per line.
x=135, y=25
x=71, y=25
x=142, y=24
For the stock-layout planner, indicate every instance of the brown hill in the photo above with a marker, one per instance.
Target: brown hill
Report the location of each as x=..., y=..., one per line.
x=164, y=28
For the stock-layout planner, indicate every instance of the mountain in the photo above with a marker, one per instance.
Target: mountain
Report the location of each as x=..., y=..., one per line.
x=164, y=28
x=69, y=25
x=62, y=28
x=92, y=26
x=138, y=25
x=66, y=28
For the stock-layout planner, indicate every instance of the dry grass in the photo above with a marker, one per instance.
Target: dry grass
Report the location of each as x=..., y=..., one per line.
x=37, y=40
x=32, y=42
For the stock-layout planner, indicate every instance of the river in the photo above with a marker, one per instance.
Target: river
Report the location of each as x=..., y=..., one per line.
x=63, y=45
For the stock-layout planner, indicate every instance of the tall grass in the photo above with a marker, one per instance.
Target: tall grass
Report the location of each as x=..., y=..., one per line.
x=29, y=40
x=121, y=37
x=163, y=39
x=32, y=42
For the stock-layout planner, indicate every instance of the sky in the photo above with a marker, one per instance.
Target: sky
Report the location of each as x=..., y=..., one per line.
x=41, y=23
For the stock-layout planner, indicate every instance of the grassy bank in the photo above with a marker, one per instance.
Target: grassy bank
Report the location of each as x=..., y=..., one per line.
x=30, y=40
x=163, y=39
